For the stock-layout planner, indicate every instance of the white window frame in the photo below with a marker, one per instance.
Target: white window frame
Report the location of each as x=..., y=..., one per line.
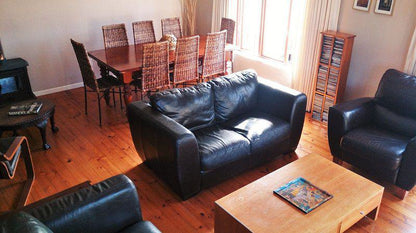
x=239, y=32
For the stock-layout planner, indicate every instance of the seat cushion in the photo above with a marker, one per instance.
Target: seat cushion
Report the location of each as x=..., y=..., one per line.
x=261, y=129
x=141, y=227
x=381, y=147
x=235, y=94
x=219, y=146
x=17, y=222
x=193, y=107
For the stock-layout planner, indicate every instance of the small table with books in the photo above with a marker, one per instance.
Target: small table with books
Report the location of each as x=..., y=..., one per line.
x=256, y=208
x=40, y=119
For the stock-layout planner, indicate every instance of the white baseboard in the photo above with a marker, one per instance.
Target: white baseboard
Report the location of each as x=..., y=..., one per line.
x=58, y=89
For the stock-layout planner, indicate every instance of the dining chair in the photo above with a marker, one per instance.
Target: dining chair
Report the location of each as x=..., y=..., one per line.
x=143, y=32
x=101, y=86
x=171, y=26
x=229, y=25
x=186, y=60
x=155, y=68
x=214, y=57
x=115, y=35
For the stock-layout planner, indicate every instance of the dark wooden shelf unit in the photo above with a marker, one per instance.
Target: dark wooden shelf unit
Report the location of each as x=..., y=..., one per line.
x=332, y=72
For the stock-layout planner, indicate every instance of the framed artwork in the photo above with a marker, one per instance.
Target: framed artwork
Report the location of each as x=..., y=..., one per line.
x=362, y=5
x=384, y=7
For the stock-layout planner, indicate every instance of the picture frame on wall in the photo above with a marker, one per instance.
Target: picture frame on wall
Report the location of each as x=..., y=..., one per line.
x=362, y=5
x=384, y=7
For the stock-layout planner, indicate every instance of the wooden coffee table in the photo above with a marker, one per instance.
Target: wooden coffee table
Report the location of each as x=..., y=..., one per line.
x=39, y=120
x=254, y=207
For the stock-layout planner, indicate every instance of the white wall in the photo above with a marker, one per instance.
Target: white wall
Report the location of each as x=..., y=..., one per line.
x=271, y=70
x=382, y=42
x=204, y=16
x=39, y=31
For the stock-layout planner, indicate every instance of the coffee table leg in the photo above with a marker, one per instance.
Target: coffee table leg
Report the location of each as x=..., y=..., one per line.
x=42, y=129
x=373, y=214
x=54, y=128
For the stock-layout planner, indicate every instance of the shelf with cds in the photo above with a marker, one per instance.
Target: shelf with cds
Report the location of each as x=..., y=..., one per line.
x=332, y=71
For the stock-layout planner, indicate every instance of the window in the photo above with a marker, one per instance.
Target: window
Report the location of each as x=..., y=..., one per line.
x=266, y=27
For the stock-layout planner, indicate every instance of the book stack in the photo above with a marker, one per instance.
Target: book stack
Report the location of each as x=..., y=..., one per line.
x=317, y=107
x=326, y=49
x=328, y=103
x=332, y=82
x=25, y=109
x=321, y=82
x=337, y=52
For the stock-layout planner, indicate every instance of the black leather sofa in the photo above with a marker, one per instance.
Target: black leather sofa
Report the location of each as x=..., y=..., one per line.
x=378, y=134
x=107, y=207
x=197, y=136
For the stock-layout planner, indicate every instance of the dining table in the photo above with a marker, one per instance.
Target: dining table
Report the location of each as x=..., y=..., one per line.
x=124, y=61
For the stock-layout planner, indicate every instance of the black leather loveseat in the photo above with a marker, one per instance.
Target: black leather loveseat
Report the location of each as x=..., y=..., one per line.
x=197, y=136
x=107, y=207
x=378, y=134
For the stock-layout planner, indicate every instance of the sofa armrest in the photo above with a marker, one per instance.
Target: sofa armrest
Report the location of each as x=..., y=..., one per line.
x=169, y=148
x=406, y=178
x=108, y=206
x=346, y=116
x=285, y=103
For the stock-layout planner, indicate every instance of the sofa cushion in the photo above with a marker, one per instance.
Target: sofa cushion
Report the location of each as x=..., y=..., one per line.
x=261, y=129
x=235, y=94
x=17, y=222
x=219, y=146
x=387, y=119
x=381, y=147
x=193, y=107
x=141, y=227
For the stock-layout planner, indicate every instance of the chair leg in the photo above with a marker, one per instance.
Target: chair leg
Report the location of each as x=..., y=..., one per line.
x=400, y=193
x=85, y=100
x=99, y=107
x=114, y=99
x=30, y=172
x=121, y=100
x=337, y=160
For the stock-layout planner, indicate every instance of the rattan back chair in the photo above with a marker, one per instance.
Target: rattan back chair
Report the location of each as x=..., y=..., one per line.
x=143, y=32
x=229, y=25
x=172, y=26
x=214, y=57
x=101, y=86
x=186, y=60
x=155, y=69
x=115, y=35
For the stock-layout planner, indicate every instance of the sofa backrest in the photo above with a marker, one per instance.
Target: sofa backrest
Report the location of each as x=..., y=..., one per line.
x=234, y=94
x=396, y=103
x=193, y=107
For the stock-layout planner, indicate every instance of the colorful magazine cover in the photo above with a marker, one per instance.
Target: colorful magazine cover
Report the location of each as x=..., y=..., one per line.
x=302, y=194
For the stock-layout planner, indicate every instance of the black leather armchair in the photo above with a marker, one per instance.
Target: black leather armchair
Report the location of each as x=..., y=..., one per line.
x=109, y=206
x=378, y=134
x=198, y=136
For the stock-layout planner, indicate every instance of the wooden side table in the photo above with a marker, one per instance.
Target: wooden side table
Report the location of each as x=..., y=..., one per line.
x=11, y=149
x=40, y=120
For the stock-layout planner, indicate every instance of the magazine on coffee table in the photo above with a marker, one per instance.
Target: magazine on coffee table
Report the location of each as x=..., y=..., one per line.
x=302, y=194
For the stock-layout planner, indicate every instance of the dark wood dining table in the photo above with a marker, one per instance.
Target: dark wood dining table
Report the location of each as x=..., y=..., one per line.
x=125, y=60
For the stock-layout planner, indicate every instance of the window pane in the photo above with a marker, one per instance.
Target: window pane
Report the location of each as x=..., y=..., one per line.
x=276, y=28
x=250, y=28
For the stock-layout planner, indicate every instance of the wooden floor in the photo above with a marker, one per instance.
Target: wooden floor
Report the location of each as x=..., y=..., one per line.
x=82, y=151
